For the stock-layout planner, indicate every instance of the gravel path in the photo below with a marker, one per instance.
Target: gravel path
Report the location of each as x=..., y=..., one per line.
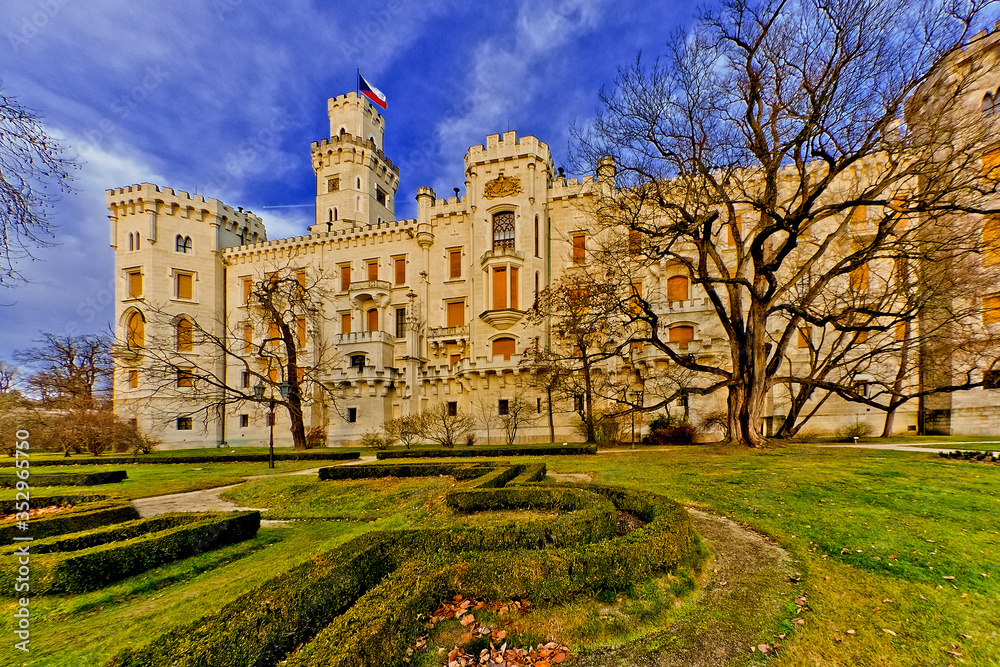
x=927, y=448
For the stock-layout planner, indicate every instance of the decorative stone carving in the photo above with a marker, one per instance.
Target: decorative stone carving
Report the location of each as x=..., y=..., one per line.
x=502, y=186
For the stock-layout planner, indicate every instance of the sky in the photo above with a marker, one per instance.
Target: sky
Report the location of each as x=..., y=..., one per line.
x=223, y=97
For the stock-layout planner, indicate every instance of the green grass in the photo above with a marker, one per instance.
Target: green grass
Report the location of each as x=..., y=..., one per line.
x=873, y=533
x=156, y=480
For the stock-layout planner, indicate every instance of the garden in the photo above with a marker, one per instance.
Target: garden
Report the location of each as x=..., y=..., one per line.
x=798, y=554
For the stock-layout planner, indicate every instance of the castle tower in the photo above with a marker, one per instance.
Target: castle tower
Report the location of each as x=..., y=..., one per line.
x=355, y=183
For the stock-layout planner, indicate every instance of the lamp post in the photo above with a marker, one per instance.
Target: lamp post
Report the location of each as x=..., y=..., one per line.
x=635, y=399
x=258, y=392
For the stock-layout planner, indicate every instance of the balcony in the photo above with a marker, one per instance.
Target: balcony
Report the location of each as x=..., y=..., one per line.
x=447, y=334
x=503, y=318
x=377, y=290
x=501, y=254
x=356, y=337
x=125, y=353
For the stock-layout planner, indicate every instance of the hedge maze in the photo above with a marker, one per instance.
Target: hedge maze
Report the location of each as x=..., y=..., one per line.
x=361, y=603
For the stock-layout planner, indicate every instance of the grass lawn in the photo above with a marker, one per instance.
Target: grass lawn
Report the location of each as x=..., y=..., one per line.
x=902, y=549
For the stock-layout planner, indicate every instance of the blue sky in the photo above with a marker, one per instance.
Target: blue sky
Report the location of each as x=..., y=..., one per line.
x=223, y=97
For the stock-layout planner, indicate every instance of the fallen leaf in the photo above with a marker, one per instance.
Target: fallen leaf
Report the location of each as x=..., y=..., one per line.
x=888, y=632
x=468, y=618
x=850, y=632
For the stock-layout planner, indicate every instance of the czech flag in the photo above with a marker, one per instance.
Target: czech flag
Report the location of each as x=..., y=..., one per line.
x=371, y=92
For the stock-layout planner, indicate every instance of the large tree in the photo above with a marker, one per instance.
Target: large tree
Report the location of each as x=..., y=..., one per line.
x=34, y=172
x=68, y=369
x=206, y=367
x=805, y=164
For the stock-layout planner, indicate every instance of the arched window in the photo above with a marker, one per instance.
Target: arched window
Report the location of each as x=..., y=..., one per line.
x=682, y=335
x=137, y=241
x=185, y=336
x=373, y=319
x=329, y=215
x=677, y=288
x=987, y=104
x=503, y=230
x=131, y=241
x=335, y=214
x=135, y=330
x=503, y=347
x=183, y=243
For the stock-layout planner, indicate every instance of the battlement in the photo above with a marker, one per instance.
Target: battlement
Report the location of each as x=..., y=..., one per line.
x=384, y=232
x=449, y=206
x=334, y=146
x=151, y=198
x=565, y=188
x=508, y=146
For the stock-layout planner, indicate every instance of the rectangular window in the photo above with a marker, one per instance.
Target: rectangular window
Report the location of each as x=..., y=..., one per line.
x=373, y=270
x=273, y=334
x=135, y=284
x=184, y=423
x=333, y=184
x=272, y=375
x=380, y=195
x=991, y=310
x=503, y=407
x=736, y=225
x=300, y=278
x=499, y=288
x=244, y=421
x=858, y=279
x=345, y=278
x=578, y=403
x=352, y=415
x=538, y=405
x=358, y=361
x=400, y=270
x=514, y=291
x=634, y=242
x=456, y=313
x=300, y=330
x=454, y=264
x=345, y=323
x=991, y=379
x=991, y=165
x=805, y=337
x=133, y=379
x=184, y=378
x=400, y=322
x=245, y=379
x=579, y=249
x=452, y=408
x=185, y=286
x=247, y=290
x=247, y=338
x=635, y=301
x=454, y=359
x=536, y=237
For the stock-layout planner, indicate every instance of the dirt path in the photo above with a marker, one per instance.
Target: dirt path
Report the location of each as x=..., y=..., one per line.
x=208, y=500
x=747, y=586
x=926, y=448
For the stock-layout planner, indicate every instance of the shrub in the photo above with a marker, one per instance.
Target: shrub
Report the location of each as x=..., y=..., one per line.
x=717, y=421
x=376, y=440
x=608, y=431
x=437, y=425
x=316, y=437
x=848, y=432
x=513, y=450
x=681, y=434
x=470, y=439
x=406, y=429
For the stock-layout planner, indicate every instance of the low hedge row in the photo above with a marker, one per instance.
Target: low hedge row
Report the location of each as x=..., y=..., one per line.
x=309, y=455
x=69, y=478
x=324, y=602
x=82, y=517
x=97, y=566
x=105, y=534
x=515, y=450
x=262, y=626
x=377, y=629
x=460, y=471
x=534, y=472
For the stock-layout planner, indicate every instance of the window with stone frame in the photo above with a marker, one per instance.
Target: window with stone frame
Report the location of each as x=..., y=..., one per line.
x=503, y=230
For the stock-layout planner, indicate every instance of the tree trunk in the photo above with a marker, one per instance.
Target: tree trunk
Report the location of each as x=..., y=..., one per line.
x=552, y=425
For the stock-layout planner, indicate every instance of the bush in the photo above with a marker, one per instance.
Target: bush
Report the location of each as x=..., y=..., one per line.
x=513, y=450
x=460, y=471
x=681, y=434
x=376, y=440
x=437, y=425
x=316, y=437
x=405, y=429
x=608, y=432
x=716, y=421
x=848, y=432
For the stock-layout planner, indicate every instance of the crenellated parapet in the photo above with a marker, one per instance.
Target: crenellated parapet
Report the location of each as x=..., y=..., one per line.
x=507, y=146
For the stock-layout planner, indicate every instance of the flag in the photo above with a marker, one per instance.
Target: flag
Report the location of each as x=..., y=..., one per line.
x=371, y=92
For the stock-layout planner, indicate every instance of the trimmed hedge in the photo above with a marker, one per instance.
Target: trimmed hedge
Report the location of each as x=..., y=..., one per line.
x=82, y=517
x=460, y=471
x=359, y=604
x=69, y=478
x=516, y=450
x=206, y=458
x=261, y=627
x=532, y=473
x=91, y=568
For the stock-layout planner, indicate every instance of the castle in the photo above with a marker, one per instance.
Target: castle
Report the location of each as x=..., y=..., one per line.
x=414, y=313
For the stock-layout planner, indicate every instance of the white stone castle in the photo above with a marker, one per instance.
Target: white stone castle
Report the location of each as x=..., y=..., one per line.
x=415, y=312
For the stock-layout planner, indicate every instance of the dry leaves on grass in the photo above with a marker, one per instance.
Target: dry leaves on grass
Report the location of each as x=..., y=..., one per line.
x=461, y=608
x=38, y=511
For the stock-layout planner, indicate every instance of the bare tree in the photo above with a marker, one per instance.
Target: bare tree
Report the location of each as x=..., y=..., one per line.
x=792, y=160
x=33, y=173
x=485, y=413
x=68, y=369
x=8, y=377
x=519, y=414
x=276, y=354
x=445, y=424
x=405, y=429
